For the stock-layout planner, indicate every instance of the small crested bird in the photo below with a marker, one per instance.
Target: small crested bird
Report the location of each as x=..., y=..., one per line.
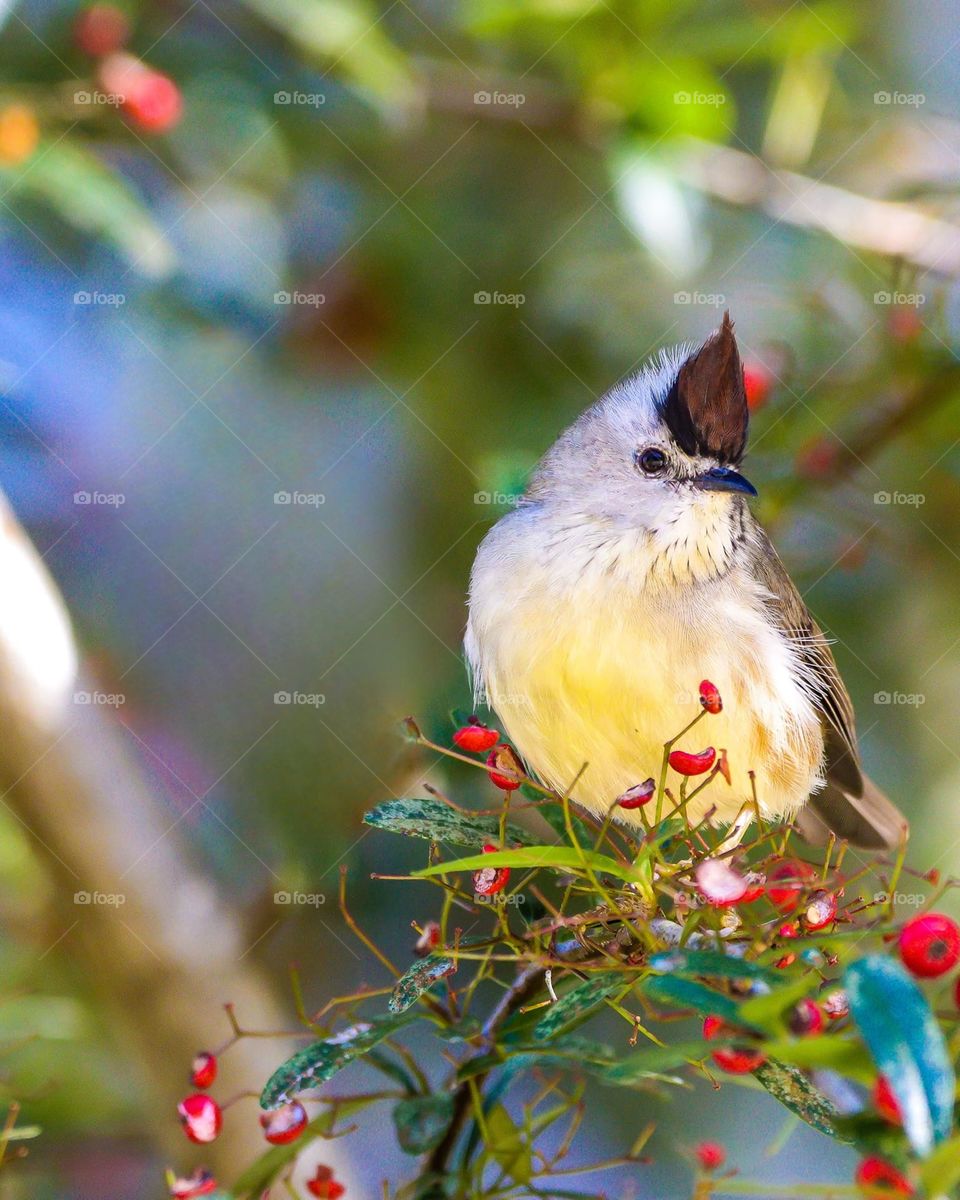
x=632, y=569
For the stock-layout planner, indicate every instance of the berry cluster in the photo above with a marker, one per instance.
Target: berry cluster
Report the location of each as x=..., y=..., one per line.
x=202, y=1120
x=784, y=962
x=151, y=102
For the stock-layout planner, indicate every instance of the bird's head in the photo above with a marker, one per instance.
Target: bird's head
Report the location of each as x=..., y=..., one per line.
x=661, y=451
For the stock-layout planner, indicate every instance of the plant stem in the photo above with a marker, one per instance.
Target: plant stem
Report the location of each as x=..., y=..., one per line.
x=523, y=987
x=667, y=747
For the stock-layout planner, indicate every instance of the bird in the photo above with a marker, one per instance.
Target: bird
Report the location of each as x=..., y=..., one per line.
x=630, y=570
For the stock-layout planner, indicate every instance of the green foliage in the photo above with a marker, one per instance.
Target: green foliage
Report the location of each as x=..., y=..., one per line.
x=418, y=978
x=321, y=1061
x=795, y=1091
x=438, y=822
x=908, y=1046
x=422, y=1121
x=624, y=930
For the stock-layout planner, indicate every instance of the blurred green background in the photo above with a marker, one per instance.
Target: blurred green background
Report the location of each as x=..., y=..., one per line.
x=282, y=332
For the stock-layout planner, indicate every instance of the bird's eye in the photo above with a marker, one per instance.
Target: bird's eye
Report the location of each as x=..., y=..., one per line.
x=651, y=461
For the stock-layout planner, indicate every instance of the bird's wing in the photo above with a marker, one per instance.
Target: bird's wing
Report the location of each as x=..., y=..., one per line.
x=850, y=805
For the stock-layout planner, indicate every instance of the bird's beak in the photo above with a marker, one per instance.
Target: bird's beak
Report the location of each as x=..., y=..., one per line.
x=723, y=479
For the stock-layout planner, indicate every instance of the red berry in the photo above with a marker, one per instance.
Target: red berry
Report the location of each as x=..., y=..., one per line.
x=789, y=877
x=201, y=1117
x=638, y=795
x=284, y=1124
x=806, y=1019
x=710, y=697
x=428, y=940
x=757, y=382
x=504, y=768
x=101, y=29
x=150, y=99
x=475, y=737
x=885, y=1102
x=875, y=1175
x=490, y=880
x=734, y=1060
x=818, y=459
x=788, y=931
x=684, y=762
x=324, y=1185
x=821, y=910
x=930, y=945
x=200, y=1183
x=904, y=324
x=756, y=886
x=203, y=1070
x=157, y=105
x=711, y=1155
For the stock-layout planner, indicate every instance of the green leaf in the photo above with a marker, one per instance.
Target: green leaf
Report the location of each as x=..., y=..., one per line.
x=21, y=1133
x=687, y=993
x=837, y=1053
x=322, y=1060
x=580, y=1053
x=792, y=1088
x=647, y=1063
x=438, y=822
x=766, y=1011
x=345, y=34
x=577, y=1004
x=95, y=200
x=941, y=1171
x=558, y=858
x=422, y=1121
x=506, y=1145
x=419, y=978
x=907, y=1045
x=713, y=964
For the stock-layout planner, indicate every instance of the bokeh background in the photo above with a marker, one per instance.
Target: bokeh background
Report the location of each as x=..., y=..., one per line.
x=282, y=333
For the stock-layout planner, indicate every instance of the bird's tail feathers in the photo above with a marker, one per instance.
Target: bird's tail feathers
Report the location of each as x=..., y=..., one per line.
x=869, y=821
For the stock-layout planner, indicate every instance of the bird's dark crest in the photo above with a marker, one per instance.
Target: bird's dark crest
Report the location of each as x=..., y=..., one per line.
x=706, y=409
